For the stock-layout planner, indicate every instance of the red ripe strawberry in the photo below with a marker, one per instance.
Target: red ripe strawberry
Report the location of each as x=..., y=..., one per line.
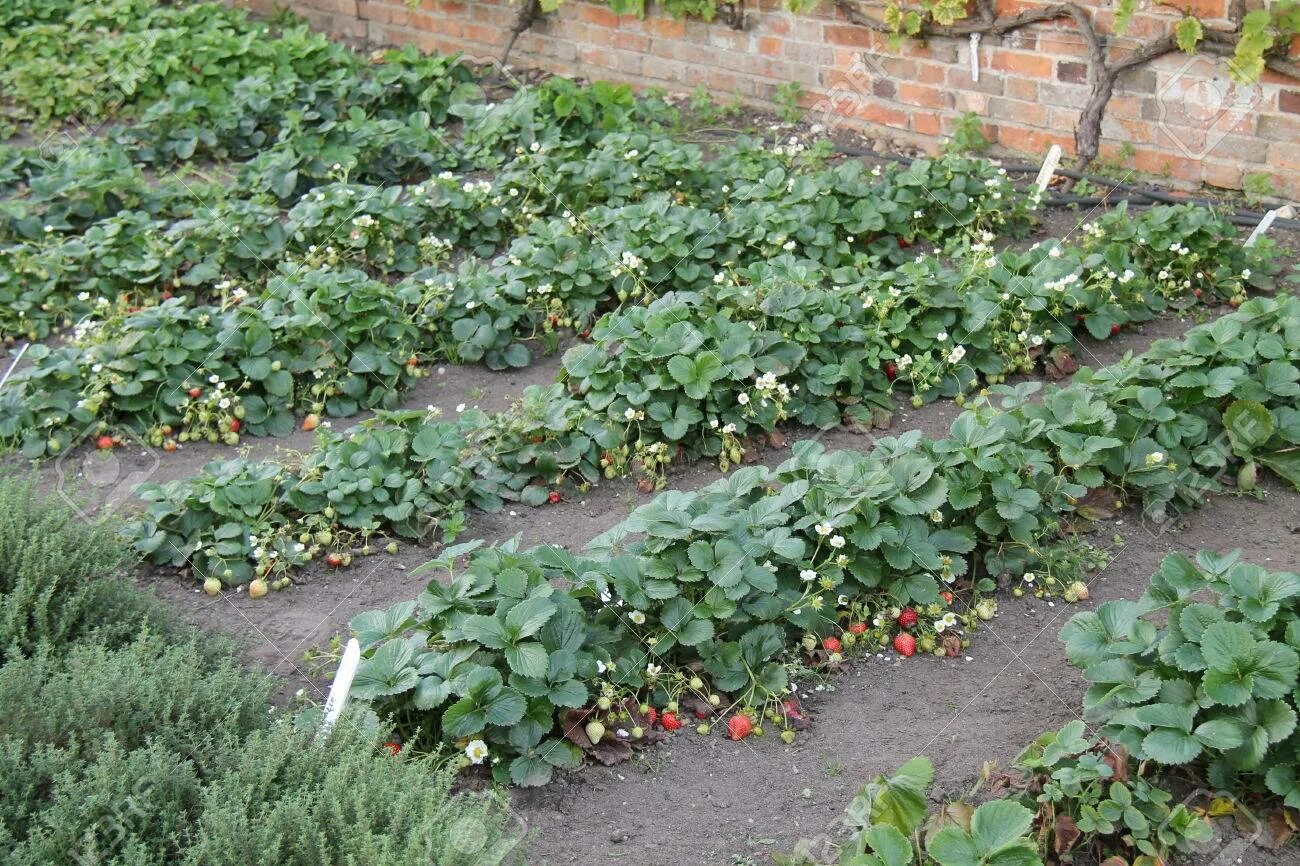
x=196, y=393
x=166, y=295
x=651, y=716
x=905, y=645
x=235, y=425
x=857, y=628
x=104, y=443
x=553, y=497
x=946, y=595
x=670, y=722
x=393, y=748
x=903, y=243
x=1114, y=329
x=586, y=334
x=907, y=617
x=333, y=560
x=739, y=727
x=1196, y=293
x=891, y=370
x=832, y=645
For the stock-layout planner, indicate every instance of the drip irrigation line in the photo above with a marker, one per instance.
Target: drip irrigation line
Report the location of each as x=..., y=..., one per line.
x=1134, y=195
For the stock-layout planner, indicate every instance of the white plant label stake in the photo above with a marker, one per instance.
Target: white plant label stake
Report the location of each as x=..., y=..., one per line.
x=14, y=365
x=338, y=696
x=975, y=56
x=1263, y=226
x=1049, y=167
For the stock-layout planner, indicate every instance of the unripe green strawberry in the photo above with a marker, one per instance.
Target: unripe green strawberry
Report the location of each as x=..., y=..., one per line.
x=1247, y=476
x=696, y=683
x=603, y=702
x=638, y=732
x=787, y=736
x=595, y=730
x=392, y=547
x=702, y=729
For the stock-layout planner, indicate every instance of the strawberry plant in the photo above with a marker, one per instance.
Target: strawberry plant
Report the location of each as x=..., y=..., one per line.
x=1216, y=684
x=1072, y=796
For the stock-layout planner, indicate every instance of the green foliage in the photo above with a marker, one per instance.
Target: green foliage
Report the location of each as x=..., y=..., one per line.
x=125, y=740
x=1076, y=797
x=1216, y=684
x=1091, y=797
x=61, y=576
x=887, y=818
x=1262, y=32
x=788, y=96
x=967, y=135
x=720, y=581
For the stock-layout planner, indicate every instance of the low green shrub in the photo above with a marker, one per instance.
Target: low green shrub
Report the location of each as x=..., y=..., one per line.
x=125, y=741
x=62, y=576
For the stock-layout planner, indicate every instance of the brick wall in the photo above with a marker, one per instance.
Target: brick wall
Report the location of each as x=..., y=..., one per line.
x=1181, y=116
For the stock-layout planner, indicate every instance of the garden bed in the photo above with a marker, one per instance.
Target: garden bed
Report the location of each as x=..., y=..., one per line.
x=546, y=318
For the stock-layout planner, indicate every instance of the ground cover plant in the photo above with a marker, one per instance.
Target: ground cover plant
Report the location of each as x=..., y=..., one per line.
x=126, y=738
x=698, y=602
x=1215, y=686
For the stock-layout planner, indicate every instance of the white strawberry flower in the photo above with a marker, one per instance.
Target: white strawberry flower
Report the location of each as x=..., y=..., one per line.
x=476, y=751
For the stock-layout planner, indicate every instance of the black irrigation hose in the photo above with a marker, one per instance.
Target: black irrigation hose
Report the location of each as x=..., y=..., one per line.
x=1138, y=196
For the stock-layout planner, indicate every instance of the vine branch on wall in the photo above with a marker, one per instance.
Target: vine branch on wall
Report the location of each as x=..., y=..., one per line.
x=1102, y=73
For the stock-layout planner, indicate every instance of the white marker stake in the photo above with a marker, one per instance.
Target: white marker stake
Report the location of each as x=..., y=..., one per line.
x=1263, y=226
x=975, y=56
x=1049, y=167
x=338, y=696
x=14, y=365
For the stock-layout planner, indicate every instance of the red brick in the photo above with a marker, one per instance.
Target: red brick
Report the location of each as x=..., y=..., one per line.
x=877, y=113
x=926, y=97
x=931, y=73
x=1075, y=73
x=1284, y=156
x=593, y=14
x=1025, y=89
x=1031, y=141
x=1224, y=175
x=926, y=124
x=848, y=34
x=1033, y=65
x=666, y=28
x=1289, y=101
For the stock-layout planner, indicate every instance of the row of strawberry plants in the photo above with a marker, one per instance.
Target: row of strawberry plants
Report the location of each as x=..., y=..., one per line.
x=665, y=398
x=556, y=274
x=316, y=341
x=191, y=236
x=694, y=600
x=782, y=338
x=1199, y=674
